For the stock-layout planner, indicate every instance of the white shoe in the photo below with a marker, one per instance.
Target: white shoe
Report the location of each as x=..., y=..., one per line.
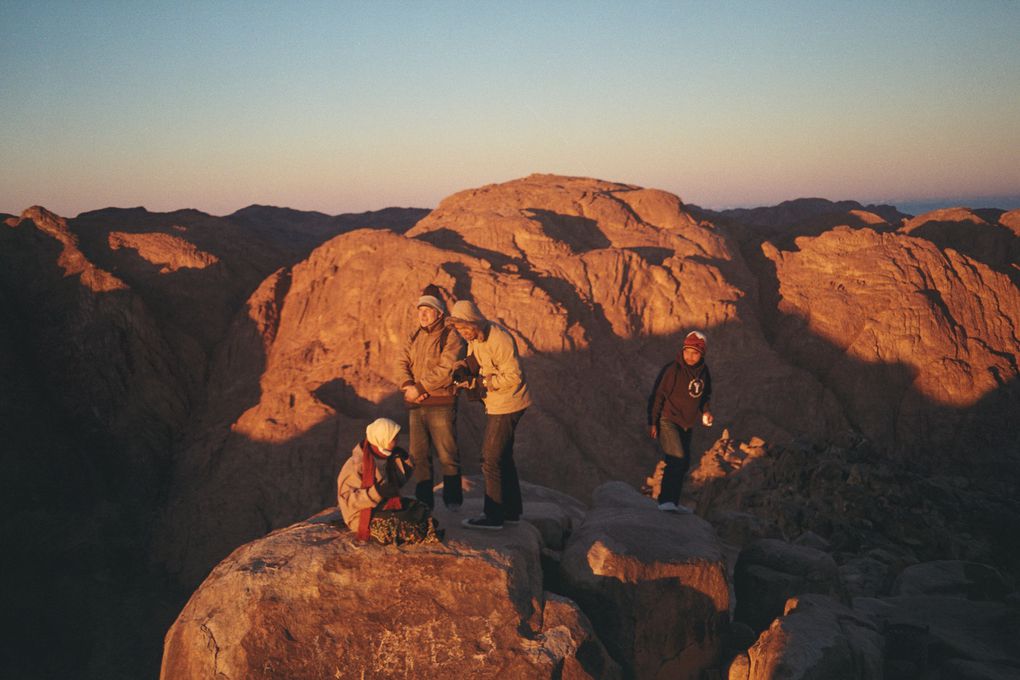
x=669, y=506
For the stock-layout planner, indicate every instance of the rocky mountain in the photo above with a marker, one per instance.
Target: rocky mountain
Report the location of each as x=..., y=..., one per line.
x=201, y=379
x=110, y=322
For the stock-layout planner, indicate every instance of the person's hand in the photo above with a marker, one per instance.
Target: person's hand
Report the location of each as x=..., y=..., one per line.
x=707, y=419
x=387, y=488
x=461, y=376
x=422, y=397
x=397, y=467
x=653, y=431
x=412, y=393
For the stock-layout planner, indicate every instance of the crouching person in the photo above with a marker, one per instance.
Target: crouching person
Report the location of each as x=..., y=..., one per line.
x=368, y=491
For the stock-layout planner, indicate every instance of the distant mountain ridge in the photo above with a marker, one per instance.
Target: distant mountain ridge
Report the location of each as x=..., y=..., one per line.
x=209, y=373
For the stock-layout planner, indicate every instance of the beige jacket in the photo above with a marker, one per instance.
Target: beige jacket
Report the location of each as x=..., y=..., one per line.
x=499, y=367
x=350, y=497
x=428, y=360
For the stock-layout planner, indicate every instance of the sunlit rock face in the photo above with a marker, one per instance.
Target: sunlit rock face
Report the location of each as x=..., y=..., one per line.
x=988, y=236
x=919, y=344
x=236, y=389
x=596, y=281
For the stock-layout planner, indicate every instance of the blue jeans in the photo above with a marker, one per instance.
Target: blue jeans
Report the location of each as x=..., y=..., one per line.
x=434, y=428
x=675, y=442
x=502, y=486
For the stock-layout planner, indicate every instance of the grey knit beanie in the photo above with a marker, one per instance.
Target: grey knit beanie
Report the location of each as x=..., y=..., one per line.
x=431, y=297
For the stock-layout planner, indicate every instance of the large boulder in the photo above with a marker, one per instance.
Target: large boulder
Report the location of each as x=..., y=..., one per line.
x=952, y=578
x=652, y=583
x=817, y=638
x=946, y=637
x=308, y=601
x=769, y=572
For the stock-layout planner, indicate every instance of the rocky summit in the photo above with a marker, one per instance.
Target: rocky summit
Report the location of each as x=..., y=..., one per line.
x=178, y=385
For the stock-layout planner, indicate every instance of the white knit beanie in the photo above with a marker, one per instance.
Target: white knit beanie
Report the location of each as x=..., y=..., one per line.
x=380, y=433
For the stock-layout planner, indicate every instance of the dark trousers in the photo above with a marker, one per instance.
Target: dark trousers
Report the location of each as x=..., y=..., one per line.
x=434, y=428
x=676, y=448
x=502, y=487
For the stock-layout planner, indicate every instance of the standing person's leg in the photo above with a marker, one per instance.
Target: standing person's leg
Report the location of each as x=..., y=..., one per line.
x=442, y=424
x=676, y=443
x=419, y=442
x=498, y=430
x=511, y=485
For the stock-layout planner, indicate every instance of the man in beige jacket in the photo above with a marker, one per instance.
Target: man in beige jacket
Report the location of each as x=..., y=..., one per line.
x=493, y=367
x=426, y=369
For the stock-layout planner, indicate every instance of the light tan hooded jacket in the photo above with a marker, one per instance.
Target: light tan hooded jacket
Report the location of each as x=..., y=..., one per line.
x=499, y=364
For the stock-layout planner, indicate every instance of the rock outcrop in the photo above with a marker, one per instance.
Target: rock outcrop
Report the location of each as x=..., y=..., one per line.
x=991, y=239
x=919, y=344
x=654, y=584
x=769, y=572
x=309, y=602
x=816, y=638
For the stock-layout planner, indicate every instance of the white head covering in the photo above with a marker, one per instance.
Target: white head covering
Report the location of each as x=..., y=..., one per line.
x=380, y=433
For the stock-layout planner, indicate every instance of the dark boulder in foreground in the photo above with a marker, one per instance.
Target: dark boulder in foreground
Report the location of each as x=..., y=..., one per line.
x=653, y=583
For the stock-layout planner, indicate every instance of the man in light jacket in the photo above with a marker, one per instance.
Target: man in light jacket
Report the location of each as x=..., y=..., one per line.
x=493, y=367
x=426, y=369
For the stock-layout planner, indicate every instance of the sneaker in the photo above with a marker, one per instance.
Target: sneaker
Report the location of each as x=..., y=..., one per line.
x=669, y=507
x=453, y=507
x=515, y=520
x=684, y=510
x=482, y=522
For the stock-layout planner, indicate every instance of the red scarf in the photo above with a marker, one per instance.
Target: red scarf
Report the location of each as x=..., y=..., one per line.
x=369, y=453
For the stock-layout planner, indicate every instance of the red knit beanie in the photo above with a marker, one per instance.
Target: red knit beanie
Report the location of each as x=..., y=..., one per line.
x=696, y=340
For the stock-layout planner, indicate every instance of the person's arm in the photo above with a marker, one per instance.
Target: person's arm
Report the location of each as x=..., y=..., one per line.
x=506, y=363
x=706, y=394
x=656, y=401
x=405, y=368
x=440, y=375
x=350, y=494
x=706, y=399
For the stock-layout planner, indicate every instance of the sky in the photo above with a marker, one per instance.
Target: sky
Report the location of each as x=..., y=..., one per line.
x=350, y=106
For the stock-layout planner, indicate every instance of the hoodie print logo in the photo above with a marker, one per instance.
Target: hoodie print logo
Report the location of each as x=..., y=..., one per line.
x=696, y=387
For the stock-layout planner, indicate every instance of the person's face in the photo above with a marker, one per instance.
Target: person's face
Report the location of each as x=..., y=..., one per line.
x=467, y=331
x=427, y=316
x=691, y=356
x=393, y=444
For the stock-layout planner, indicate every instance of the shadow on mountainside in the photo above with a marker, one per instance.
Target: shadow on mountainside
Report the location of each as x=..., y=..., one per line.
x=989, y=243
x=240, y=488
x=581, y=234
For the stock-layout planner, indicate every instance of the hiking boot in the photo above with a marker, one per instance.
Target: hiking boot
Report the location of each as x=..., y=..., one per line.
x=482, y=522
x=453, y=507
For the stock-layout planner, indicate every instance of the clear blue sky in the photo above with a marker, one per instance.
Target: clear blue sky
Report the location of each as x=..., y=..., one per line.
x=343, y=107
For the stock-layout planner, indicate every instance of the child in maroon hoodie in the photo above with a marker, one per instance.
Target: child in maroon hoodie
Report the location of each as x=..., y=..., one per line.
x=679, y=400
